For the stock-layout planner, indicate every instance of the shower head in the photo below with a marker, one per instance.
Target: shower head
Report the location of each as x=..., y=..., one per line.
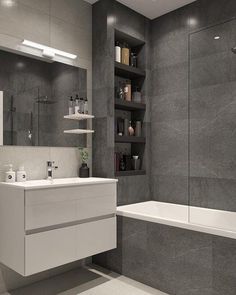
x=44, y=100
x=234, y=50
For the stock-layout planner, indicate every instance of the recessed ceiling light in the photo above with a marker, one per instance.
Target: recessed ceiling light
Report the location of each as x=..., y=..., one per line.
x=217, y=37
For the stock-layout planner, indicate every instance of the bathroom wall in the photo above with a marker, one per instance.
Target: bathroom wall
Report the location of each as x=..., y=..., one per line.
x=107, y=16
x=177, y=150
x=63, y=24
x=173, y=260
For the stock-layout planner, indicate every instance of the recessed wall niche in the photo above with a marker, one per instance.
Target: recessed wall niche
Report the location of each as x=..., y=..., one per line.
x=35, y=97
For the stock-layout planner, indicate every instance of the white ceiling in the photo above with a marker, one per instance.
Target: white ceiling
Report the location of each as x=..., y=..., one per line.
x=152, y=8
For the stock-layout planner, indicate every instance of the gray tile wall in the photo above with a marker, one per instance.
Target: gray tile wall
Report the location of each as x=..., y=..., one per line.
x=173, y=260
x=107, y=16
x=66, y=25
x=212, y=164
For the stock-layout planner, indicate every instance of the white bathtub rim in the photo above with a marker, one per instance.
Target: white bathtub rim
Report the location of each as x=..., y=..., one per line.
x=176, y=223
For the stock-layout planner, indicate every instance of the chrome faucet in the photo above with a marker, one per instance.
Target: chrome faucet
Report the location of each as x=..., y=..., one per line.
x=50, y=168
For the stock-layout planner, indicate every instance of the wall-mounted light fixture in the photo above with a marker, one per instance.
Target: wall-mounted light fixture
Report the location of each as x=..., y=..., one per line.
x=47, y=51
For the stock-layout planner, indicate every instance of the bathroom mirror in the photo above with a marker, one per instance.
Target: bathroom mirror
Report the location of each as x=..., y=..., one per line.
x=34, y=97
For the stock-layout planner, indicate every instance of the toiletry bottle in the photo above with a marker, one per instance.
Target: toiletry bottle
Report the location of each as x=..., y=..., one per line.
x=138, y=128
x=81, y=105
x=122, y=164
x=10, y=176
x=133, y=60
x=21, y=174
x=131, y=129
x=136, y=95
x=71, y=106
x=86, y=106
x=117, y=52
x=77, y=105
x=121, y=92
x=127, y=90
x=125, y=54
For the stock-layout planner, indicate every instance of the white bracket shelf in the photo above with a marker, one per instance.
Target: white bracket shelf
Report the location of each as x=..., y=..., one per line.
x=79, y=117
x=78, y=131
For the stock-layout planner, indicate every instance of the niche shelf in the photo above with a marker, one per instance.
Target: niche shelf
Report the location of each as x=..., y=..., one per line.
x=79, y=131
x=130, y=139
x=128, y=109
x=128, y=71
x=129, y=105
x=79, y=117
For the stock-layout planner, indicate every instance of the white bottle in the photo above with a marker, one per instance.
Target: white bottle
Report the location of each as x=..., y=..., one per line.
x=21, y=174
x=71, y=106
x=117, y=52
x=10, y=176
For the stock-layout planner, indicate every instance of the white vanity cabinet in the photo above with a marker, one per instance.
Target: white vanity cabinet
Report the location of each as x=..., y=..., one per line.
x=45, y=224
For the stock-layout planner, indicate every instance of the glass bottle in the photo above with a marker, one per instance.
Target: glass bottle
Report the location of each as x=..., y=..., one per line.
x=81, y=105
x=121, y=92
x=86, y=106
x=77, y=105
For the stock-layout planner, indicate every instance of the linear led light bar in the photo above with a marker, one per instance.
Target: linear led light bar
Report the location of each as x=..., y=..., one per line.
x=48, y=51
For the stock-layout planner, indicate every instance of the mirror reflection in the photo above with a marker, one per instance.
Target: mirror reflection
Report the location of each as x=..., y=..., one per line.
x=34, y=98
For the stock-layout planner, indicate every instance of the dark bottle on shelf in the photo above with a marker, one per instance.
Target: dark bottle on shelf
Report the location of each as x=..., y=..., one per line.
x=122, y=164
x=133, y=60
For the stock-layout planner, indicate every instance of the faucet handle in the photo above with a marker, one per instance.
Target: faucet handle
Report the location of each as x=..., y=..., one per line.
x=50, y=163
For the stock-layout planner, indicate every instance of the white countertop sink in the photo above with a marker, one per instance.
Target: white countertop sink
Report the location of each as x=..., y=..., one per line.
x=61, y=182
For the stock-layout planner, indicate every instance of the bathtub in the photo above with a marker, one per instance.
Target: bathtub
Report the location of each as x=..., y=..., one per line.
x=211, y=221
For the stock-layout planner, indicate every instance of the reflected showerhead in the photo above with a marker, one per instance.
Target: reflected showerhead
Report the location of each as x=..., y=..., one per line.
x=44, y=100
x=234, y=50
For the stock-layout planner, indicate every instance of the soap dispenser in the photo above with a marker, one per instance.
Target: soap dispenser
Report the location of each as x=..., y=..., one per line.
x=21, y=174
x=10, y=176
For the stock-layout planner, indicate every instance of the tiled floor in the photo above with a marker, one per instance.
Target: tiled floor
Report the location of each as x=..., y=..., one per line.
x=87, y=281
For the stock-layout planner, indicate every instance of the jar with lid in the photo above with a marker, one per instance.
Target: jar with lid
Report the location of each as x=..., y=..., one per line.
x=125, y=53
x=127, y=90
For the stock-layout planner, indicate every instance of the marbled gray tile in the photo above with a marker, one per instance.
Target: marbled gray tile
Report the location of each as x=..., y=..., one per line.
x=133, y=189
x=224, y=265
x=170, y=189
x=215, y=193
x=170, y=147
x=170, y=79
x=171, y=106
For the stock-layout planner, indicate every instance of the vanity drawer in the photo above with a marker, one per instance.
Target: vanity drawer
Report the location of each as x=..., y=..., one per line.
x=57, y=206
x=60, y=246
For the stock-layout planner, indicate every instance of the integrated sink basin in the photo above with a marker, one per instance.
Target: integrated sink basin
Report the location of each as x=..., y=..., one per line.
x=48, y=223
x=61, y=182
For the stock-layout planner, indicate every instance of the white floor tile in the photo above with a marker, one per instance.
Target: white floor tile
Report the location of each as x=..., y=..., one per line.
x=87, y=281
